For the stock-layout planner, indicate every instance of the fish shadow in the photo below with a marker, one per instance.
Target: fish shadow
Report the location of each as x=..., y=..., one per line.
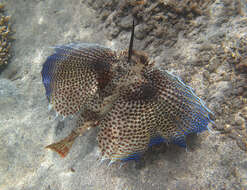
x=155, y=157
x=169, y=152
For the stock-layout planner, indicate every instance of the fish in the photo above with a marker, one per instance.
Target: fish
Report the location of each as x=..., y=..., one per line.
x=134, y=103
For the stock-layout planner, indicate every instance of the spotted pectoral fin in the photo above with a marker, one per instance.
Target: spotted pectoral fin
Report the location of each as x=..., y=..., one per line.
x=181, y=112
x=74, y=74
x=193, y=115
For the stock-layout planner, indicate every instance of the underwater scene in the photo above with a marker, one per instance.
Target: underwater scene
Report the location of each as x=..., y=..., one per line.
x=123, y=95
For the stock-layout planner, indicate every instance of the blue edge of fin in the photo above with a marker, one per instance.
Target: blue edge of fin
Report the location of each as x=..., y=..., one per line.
x=179, y=139
x=48, y=70
x=46, y=73
x=50, y=63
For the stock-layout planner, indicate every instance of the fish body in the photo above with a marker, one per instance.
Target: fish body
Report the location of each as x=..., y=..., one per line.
x=134, y=104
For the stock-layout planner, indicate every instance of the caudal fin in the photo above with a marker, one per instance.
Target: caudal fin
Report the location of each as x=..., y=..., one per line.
x=62, y=147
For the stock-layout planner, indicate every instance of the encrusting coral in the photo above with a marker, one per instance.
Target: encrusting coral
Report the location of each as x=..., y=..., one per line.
x=5, y=37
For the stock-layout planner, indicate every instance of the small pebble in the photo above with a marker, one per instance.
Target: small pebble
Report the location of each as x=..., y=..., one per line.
x=213, y=64
x=227, y=128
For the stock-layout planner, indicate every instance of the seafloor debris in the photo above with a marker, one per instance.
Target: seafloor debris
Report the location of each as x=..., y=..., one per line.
x=233, y=52
x=5, y=38
x=238, y=51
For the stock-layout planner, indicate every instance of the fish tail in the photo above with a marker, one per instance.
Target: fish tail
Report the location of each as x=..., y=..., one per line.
x=62, y=147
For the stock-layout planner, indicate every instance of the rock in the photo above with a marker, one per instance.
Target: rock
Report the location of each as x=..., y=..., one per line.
x=241, y=173
x=220, y=90
x=125, y=22
x=114, y=32
x=214, y=63
x=141, y=31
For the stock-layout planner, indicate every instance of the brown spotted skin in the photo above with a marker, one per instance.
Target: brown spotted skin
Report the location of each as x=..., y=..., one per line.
x=157, y=106
x=134, y=104
x=74, y=75
x=129, y=125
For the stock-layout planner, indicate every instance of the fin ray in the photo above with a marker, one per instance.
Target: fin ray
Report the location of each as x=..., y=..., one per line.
x=74, y=73
x=62, y=147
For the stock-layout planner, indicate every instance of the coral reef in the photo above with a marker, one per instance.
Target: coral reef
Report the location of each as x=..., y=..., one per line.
x=236, y=51
x=162, y=20
x=5, y=38
x=235, y=54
